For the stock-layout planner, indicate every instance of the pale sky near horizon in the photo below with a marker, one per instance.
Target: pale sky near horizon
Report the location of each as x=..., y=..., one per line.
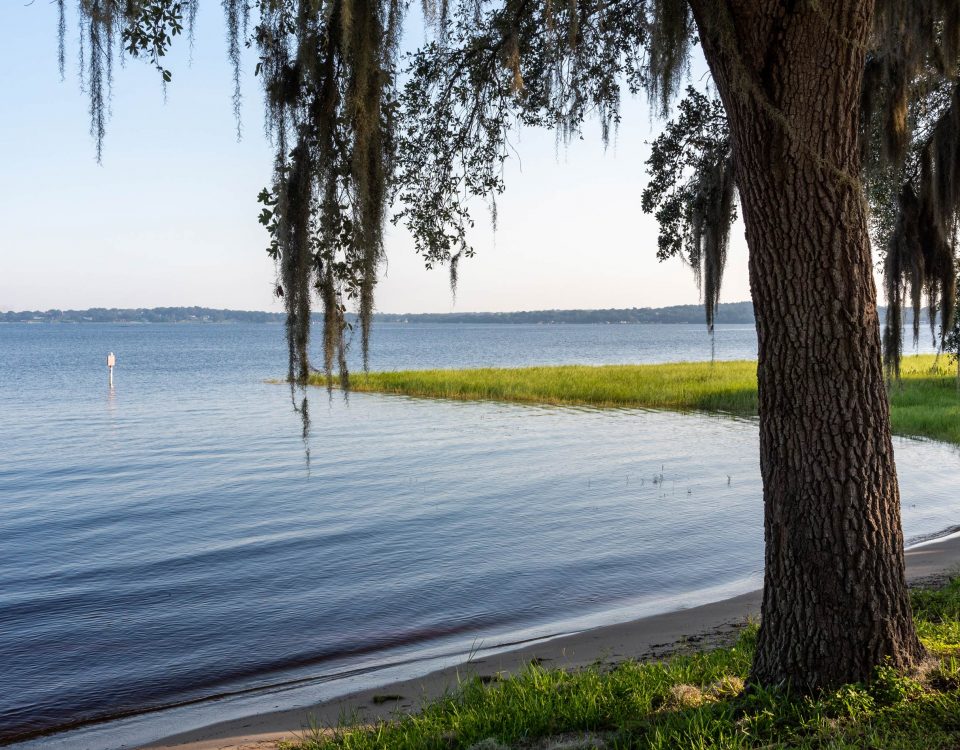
x=169, y=218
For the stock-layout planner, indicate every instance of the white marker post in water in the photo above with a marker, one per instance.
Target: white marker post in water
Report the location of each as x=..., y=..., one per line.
x=111, y=361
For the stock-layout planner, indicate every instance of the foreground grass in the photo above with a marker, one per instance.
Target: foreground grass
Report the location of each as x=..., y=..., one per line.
x=925, y=404
x=690, y=701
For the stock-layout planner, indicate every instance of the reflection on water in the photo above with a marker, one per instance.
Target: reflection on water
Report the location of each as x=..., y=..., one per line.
x=174, y=545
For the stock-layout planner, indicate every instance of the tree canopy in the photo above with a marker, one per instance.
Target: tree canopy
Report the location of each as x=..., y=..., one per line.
x=358, y=129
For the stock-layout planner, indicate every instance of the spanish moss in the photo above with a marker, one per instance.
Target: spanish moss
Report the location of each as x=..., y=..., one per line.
x=236, y=14
x=328, y=75
x=62, y=38
x=920, y=259
x=911, y=127
x=192, y=6
x=107, y=27
x=96, y=28
x=712, y=210
x=671, y=32
x=295, y=206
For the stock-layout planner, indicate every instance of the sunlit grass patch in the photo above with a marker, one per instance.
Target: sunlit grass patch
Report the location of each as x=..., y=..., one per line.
x=721, y=386
x=925, y=403
x=688, y=701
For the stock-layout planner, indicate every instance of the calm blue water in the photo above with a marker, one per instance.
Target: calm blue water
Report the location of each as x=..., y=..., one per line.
x=167, y=540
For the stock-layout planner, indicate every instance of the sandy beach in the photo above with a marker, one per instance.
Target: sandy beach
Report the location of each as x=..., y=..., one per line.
x=646, y=638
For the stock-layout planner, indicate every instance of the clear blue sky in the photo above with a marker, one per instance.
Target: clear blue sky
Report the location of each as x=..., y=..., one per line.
x=169, y=218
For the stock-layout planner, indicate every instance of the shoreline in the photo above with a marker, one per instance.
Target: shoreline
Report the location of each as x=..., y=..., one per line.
x=646, y=638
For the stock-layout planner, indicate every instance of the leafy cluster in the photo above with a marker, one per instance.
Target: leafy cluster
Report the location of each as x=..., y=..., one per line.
x=494, y=66
x=691, y=192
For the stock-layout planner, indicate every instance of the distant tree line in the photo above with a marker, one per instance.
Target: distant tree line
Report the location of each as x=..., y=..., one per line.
x=141, y=315
x=730, y=313
x=735, y=312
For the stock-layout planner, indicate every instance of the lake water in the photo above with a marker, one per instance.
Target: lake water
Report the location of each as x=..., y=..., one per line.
x=167, y=541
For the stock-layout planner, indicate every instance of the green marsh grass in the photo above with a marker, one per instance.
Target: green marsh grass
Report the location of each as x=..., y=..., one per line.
x=692, y=700
x=926, y=402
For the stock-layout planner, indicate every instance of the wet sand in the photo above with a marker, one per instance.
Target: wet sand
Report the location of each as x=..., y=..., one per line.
x=646, y=638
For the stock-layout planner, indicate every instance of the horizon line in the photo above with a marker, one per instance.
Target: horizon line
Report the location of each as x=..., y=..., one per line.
x=377, y=312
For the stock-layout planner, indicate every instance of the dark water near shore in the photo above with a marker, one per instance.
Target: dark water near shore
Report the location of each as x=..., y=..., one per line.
x=166, y=540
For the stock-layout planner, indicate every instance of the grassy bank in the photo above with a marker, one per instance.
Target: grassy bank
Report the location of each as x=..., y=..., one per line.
x=690, y=701
x=926, y=404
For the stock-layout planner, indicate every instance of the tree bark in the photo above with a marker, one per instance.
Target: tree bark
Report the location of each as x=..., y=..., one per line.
x=835, y=602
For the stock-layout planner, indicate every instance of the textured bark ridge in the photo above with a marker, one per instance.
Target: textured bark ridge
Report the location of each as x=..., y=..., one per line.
x=835, y=598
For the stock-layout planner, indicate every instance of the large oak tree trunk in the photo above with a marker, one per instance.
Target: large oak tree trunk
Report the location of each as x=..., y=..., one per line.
x=835, y=601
